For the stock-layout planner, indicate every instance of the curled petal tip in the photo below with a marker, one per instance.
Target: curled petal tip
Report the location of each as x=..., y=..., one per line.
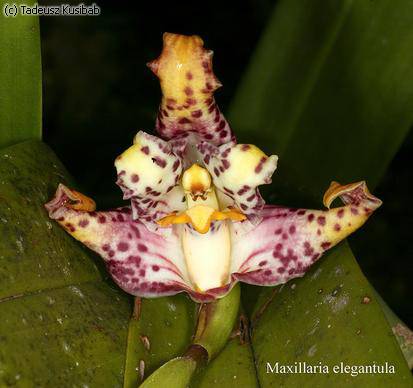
x=68, y=198
x=351, y=194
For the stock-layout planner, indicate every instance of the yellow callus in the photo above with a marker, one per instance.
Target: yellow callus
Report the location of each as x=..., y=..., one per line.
x=200, y=217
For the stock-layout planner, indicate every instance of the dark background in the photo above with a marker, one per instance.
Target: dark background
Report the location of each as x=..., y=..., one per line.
x=98, y=93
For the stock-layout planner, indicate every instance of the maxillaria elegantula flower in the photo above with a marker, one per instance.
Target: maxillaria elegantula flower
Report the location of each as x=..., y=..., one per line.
x=197, y=222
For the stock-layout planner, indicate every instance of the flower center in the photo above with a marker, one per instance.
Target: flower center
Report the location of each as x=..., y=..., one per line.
x=202, y=203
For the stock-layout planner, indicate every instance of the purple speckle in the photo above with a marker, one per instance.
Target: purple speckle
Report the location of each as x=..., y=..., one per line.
x=123, y=246
x=142, y=248
x=83, y=223
x=321, y=220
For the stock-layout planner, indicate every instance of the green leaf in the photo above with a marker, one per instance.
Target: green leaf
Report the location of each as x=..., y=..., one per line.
x=63, y=323
x=20, y=77
x=328, y=318
x=329, y=90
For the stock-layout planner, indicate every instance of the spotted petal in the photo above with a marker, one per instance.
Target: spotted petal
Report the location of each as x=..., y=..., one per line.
x=237, y=171
x=288, y=241
x=148, y=174
x=140, y=261
x=187, y=82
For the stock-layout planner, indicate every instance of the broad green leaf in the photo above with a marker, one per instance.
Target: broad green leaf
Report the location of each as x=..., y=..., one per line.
x=328, y=90
x=328, y=318
x=63, y=323
x=20, y=77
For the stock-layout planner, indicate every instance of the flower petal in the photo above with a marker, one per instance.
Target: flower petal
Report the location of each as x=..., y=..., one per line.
x=288, y=241
x=141, y=262
x=237, y=171
x=148, y=174
x=185, y=72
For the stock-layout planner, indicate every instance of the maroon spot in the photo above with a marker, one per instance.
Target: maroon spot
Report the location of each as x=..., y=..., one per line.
x=206, y=159
x=111, y=253
x=209, y=101
x=205, y=65
x=175, y=165
x=244, y=207
x=184, y=120
x=211, y=108
x=291, y=271
x=155, y=268
x=145, y=150
x=170, y=107
x=267, y=272
x=318, y=232
x=325, y=245
x=262, y=263
x=142, y=248
x=221, y=125
x=260, y=164
x=228, y=190
x=142, y=273
x=278, y=247
x=292, y=229
x=130, y=236
x=216, y=172
x=105, y=247
x=301, y=212
x=208, y=136
x=249, y=199
x=245, y=147
x=340, y=213
x=310, y=217
x=196, y=113
x=170, y=101
x=123, y=246
x=337, y=227
x=321, y=220
x=190, y=101
x=226, y=164
x=101, y=219
x=354, y=211
x=61, y=219
x=188, y=75
x=188, y=91
x=223, y=134
x=159, y=161
x=278, y=231
x=120, y=218
x=315, y=257
x=281, y=270
x=165, y=112
x=308, y=250
x=135, y=178
x=208, y=86
x=83, y=223
x=285, y=236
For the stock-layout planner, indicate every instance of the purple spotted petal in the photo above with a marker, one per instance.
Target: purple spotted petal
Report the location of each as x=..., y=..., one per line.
x=237, y=171
x=288, y=241
x=141, y=262
x=148, y=174
x=187, y=82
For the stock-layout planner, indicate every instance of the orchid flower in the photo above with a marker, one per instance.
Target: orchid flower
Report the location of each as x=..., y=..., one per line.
x=196, y=220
